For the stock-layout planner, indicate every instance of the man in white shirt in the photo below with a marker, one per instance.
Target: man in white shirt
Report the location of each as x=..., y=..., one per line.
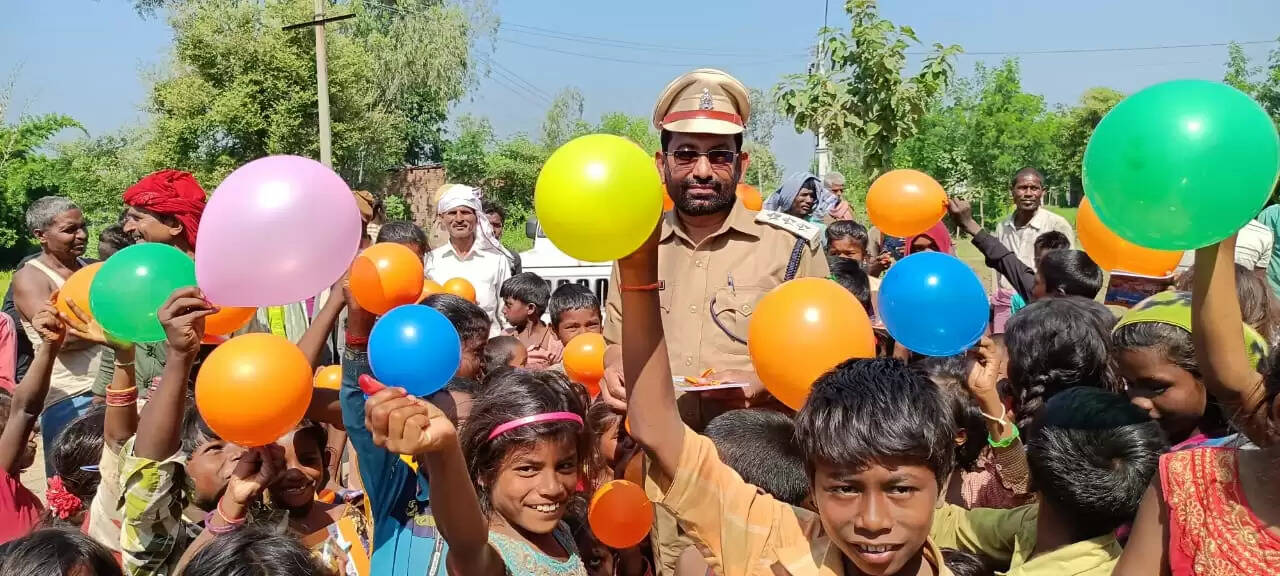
x=1254, y=244
x=1019, y=233
x=472, y=252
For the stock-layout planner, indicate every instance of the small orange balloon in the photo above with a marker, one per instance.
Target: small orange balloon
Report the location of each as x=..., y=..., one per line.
x=620, y=514
x=584, y=360
x=329, y=378
x=667, y=203
x=905, y=203
x=1113, y=253
x=802, y=329
x=461, y=288
x=386, y=275
x=76, y=289
x=254, y=388
x=228, y=319
x=750, y=197
x=430, y=287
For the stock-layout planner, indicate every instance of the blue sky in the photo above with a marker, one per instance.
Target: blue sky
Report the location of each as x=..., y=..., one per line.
x=90, y=58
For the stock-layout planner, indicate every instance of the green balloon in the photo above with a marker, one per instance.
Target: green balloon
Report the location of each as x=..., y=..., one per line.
x=1181, y=165
x=132, y=285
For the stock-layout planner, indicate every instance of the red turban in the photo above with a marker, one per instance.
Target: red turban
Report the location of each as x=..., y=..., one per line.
x=171, y=192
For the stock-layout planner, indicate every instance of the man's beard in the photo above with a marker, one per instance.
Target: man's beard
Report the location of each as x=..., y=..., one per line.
x=721, y=202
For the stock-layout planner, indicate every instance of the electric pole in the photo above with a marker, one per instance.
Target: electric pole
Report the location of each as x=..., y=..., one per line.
x=322, y=77
x=824, y=160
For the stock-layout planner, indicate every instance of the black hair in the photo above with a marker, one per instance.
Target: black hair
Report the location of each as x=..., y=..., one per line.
x=951, y=374
x=1092, y=454
x=195, y=431
x=491, y=207
x=78, y=446
x=55, y=552
x=254, y=551
x=1257, y=301
x=112, y=239
x=847, y=229
x=1026, y=171
x=529, y=288
x=571, y=296
x=1055, y=344
x=403, y=232
x=463, y=385
x=468, y=319
x=1070, y=273
x=962, y=563
x=600, y=417
x=1176, y=346
x=1052, y=240
x=868, y=410
x=849, y=275
x=666, y=135
x=499, y=351
x=760, y=445
x=514, y=394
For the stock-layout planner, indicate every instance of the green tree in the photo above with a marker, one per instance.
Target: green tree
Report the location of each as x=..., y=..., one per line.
x=1010, y=129
x=763, y=171
x=1075, y=128
x=863, y=91
x=1239, y=73
x=466, y=155
x=763, y=119
x=635, y=128
x=26, y=173
x=563, y=121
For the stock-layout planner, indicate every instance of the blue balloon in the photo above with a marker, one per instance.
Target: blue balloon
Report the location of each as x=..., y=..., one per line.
x=933, y=304
x=416, y=348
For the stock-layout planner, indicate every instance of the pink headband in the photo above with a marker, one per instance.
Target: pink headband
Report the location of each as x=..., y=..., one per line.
x=547, y=417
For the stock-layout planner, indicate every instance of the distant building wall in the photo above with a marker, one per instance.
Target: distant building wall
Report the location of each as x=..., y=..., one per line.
x=418, y=186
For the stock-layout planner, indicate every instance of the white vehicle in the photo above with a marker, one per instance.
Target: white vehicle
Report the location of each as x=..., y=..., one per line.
x=558, y=268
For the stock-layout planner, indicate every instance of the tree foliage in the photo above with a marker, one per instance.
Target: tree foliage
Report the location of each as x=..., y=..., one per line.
x=26, y=172
x=861, y=91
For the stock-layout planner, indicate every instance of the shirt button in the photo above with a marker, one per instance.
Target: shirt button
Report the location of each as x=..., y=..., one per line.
x=688, y=360
x=746, y=308
x=698, y=263
x=693, y=309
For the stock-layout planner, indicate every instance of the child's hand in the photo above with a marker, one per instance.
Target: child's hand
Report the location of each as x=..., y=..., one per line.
x=985, y=373
x=257, y=469
x=880, y=263
x=85, y=327
x=183, y=319
x=407, y=424
x=46, y=322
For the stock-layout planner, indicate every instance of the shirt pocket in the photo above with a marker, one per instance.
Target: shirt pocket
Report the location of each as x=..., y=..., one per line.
x=731, y=310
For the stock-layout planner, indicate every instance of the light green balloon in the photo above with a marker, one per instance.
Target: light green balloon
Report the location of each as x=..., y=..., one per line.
x=1181, y=165
x=132, y=285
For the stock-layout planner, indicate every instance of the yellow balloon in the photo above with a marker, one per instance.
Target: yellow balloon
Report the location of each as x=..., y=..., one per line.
x=598, y=197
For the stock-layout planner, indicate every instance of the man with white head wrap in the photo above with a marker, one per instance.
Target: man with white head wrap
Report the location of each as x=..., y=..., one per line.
x=472, y=252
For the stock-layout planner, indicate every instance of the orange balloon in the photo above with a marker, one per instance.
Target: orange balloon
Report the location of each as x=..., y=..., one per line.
x=1113, y=253
x=386, y=275
x=750, y=197
x=905, y=203
x=461, y=288
x=584, y=360
x=254, y=388
x=329, y=378
x=430, y=287
x=802, y=329
x=667, y=203
x=76, y=289
x=620, y=514
x=227, y=320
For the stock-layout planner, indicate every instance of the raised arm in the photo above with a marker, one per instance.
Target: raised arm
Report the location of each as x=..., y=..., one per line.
x=326, y=404
x=1216, y=323
x=30, y=394
x=121, y=418
x=160, y=427
x=651, y=399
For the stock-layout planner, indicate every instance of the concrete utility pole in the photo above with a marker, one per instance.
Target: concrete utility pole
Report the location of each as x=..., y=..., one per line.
x=322, y=77
x=824, y=157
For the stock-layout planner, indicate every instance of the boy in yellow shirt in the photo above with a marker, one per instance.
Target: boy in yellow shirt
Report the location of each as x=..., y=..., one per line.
x=877, y=439
x=1091, y=454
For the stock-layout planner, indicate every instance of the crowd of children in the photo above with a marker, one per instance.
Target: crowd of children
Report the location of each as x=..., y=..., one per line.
x=1073, y=443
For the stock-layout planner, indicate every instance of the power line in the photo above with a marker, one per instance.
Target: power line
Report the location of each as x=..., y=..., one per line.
x=668, y=64
x=1104, y=50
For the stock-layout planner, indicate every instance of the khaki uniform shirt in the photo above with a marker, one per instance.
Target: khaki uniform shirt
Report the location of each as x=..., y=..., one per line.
x=725, y=275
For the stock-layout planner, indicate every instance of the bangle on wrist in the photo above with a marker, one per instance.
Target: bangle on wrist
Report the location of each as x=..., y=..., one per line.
x=225, y=518
x=653, y=287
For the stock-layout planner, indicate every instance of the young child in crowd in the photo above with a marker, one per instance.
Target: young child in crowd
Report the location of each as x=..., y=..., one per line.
x=848, y=240
x=1091, y=454
x=1212, y=510
x=607, y=426
x=112, y=239
x=1156, y=359
x=1066, y=273
x=406, y=234
x=20, y=509
x=850, y=276
x=1001, y=259
x=504, y=352
x=876, y=438
x=270, y=554
x=521, y=457
x=1055, y=344
x=524, y=301
x=61, y=551
x=76, y=454
x=574, y=310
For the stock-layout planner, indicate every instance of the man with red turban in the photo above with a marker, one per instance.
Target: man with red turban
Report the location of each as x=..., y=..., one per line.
x=165, y=207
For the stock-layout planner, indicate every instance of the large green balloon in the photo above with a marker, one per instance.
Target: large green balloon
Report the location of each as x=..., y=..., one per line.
x=1181, y=165
x=132, y=285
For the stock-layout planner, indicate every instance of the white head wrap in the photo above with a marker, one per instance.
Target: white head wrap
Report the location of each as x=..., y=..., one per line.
x=461, y=196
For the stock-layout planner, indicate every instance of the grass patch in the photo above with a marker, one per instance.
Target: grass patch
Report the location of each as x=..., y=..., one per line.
x=6, y=276
x=1068, y=213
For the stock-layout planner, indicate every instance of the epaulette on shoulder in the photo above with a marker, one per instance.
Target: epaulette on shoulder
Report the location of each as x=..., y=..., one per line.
x=800, y=228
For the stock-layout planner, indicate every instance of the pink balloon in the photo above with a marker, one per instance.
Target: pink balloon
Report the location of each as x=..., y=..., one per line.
x=278, y=230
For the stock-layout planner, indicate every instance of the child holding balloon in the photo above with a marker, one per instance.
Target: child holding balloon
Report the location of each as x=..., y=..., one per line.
x=502, y=485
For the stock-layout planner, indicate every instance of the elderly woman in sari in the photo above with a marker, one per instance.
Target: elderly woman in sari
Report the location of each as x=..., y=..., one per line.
x=802, y=195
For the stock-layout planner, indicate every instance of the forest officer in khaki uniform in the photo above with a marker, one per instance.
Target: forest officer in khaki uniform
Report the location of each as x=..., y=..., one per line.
x=716, y=259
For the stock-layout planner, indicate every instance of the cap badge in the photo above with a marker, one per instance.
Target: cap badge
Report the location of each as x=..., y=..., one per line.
x=705, y=103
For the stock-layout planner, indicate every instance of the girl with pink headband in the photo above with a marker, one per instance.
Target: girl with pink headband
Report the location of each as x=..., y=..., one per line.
x=501, y=485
